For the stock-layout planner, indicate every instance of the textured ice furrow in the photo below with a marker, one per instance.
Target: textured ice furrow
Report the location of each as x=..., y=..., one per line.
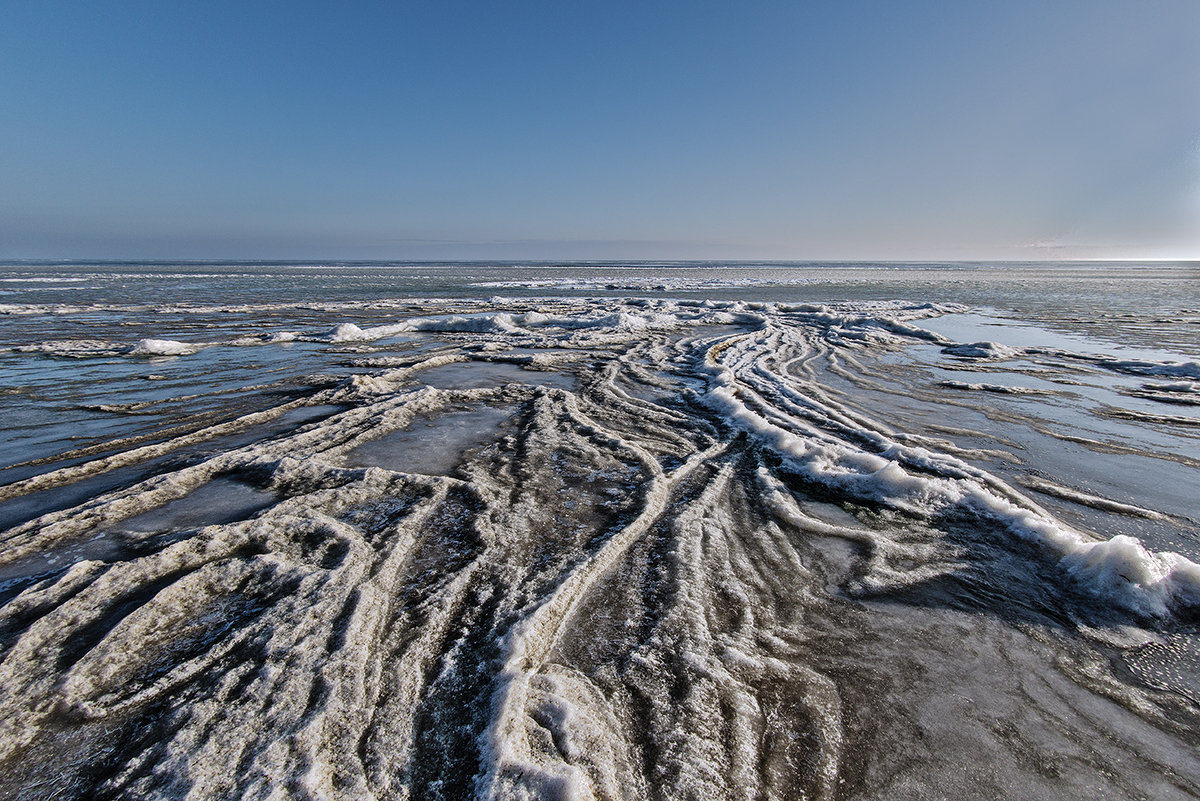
x=335, y=743
x=657, y=428
x=66, y=475
x=387, y=738
x=332, y=440
x=753, y=569
x=289, y=633
x=512, y=769
x=317, y=740
x=1120, y=569
x=696, y=762
x=217, y=577
x=53, y=638
x=735, y=713
x=356, y=388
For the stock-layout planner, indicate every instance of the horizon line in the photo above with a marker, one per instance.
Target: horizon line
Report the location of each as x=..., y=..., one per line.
x=606, y=261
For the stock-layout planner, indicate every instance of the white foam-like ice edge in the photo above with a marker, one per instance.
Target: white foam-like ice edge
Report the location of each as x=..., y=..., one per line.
x=629, y=315
x=1120, y=570
x=88, y=348
x=44, y=280
x=1157, y=369
x=655, y=283
x=1183, y=387
x=982, y=350
x=164, y=347
x=998, y=389
x=508, y=323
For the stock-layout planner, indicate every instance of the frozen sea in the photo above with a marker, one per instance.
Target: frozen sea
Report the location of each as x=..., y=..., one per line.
x=600, y=531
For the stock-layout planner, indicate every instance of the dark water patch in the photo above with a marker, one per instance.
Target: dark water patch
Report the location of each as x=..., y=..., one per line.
x=977, y=326
x=1001, y=575
x=64, y=416
x=16, y=576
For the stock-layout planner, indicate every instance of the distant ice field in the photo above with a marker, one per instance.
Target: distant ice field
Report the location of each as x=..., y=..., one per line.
x=610, y=531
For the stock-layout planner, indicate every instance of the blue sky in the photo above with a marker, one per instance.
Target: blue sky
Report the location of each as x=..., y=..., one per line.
x=555, y=130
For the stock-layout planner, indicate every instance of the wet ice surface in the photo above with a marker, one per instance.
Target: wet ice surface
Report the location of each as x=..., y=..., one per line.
x=221, y=500
x=431, y=445
x=491, y=374
x=981, y=326
x=609, y=549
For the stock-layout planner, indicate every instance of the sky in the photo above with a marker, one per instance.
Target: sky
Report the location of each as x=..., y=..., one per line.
x=855, y=129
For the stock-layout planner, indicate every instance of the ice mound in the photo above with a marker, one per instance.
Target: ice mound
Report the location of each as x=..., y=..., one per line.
x=1187, y=387
x=74, y=348
x=500, y=323
x=999, y=389
x=530, y=323
x=1163, y=369
x=982, y=350
x=348, y=332
x=163, y=347
x=1182, y=393
x=1124, y=571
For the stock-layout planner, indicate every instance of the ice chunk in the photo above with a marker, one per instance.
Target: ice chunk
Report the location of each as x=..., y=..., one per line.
x=982, y=350
x=163, y=347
